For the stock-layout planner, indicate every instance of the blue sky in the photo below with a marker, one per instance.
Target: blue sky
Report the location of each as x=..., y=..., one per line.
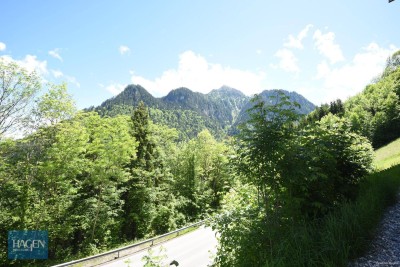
x=321, y=49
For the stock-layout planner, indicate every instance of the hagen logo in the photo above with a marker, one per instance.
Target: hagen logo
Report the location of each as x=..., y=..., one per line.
x=27, y=245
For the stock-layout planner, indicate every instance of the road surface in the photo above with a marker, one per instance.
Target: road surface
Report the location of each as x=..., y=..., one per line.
x=195, y=249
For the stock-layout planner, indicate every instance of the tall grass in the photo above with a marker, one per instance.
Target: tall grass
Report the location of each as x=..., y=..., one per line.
x=342, y=235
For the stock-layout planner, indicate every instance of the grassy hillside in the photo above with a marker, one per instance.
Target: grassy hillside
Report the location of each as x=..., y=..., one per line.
x=388, y=155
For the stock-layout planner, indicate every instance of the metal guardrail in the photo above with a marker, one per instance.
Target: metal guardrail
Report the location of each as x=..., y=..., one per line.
x=127, y=250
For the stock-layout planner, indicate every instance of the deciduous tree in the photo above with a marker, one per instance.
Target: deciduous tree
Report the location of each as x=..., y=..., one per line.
x=18, y=88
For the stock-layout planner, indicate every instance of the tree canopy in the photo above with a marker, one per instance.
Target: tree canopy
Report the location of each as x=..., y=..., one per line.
x=18, y=88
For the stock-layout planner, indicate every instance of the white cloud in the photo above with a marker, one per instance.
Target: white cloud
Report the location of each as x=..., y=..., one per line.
x=288, y=61
x=56, y=54
x=123, y=49
x=70, y=79
x=115, y=88
x=351, y=78
x=73, y=80
x=2, y=46
x=30, y=63
x=57, y=73
x=195, y=73
x=327, y=47
x=296, y=42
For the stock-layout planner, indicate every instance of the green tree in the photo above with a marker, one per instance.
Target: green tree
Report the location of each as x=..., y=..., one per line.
x=137, y=198
x=374, y=113
x=353, y=154
x=325, y=166
x=109, y=148
x=18, y=88
x=67, y=179
x=60, y=166
x=20, y=190
x=202, y=174
x=54, y=106
x=288, y=175
x=262, y=143
x=392, y=64
x=149, y=204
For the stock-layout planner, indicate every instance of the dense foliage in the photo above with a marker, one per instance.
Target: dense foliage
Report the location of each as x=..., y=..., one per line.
x=374, y=113
x=127, y=171
x=249, y=239
x=301, y=197
x=95, y=182
x=287, y=174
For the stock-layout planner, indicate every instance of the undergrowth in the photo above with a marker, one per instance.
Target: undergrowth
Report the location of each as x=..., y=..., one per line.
x=342, y=235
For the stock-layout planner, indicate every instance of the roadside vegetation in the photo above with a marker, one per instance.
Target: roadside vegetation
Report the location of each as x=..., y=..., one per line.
x=286, y=190
x=307, y=193
x=97, y=182
x=334, y=240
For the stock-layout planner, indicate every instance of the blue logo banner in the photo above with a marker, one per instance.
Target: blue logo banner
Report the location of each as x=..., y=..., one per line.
x=27, y=245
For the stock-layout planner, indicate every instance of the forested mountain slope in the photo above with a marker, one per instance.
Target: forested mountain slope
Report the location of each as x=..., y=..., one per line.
x=190, y=112
x=374, y=112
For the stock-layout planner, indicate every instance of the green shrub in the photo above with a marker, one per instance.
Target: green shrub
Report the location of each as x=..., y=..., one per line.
x=324, y=166
x=249, y=238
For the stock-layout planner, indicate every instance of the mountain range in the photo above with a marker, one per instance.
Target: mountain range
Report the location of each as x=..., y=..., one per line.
x=220, y=111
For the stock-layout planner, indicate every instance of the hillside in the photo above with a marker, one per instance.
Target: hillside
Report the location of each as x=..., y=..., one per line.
x=388, y=156
x=131, y=96
x=374, y=112
x=305, y=106
x=220, y=111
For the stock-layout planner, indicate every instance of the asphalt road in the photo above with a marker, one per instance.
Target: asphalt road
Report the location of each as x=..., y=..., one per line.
x=195, y=249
